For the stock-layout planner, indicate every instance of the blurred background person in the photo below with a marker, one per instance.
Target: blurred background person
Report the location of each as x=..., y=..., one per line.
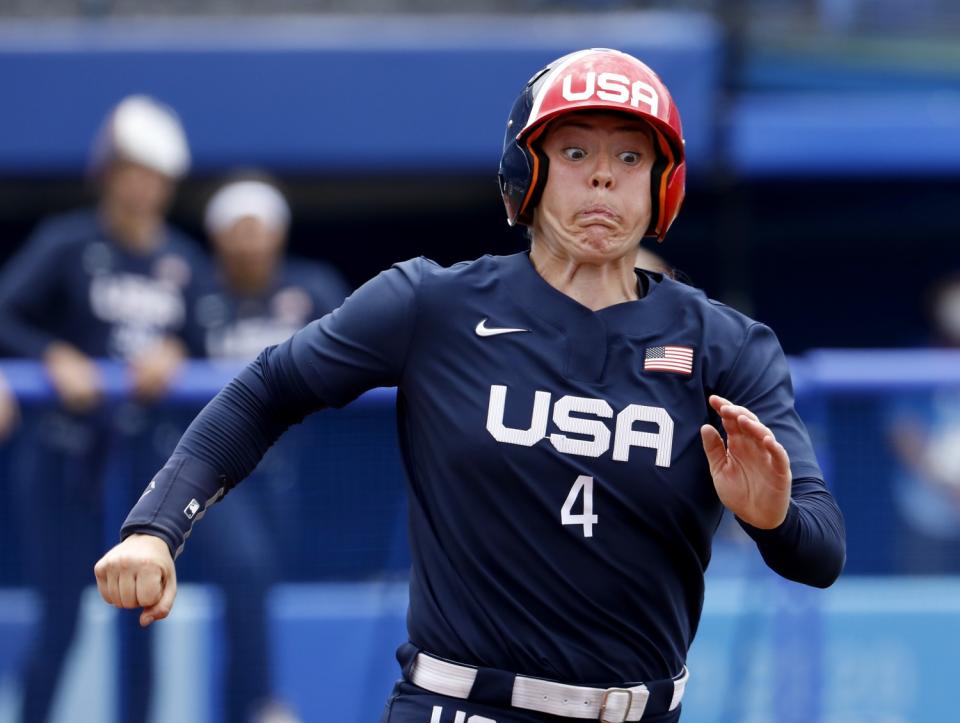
x=256, y=297
x=944, y=311
x=924, y=432
x=109, y=282
x=9, y=410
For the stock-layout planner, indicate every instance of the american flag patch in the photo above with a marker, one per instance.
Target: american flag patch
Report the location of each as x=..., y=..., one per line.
x=677, y=359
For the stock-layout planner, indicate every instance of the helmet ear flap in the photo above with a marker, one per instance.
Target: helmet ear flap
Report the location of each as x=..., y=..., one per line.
x=667, y=185
x=539, y=165
x=520, y=183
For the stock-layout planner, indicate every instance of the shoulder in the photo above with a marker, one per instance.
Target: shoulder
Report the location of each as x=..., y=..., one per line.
x=179, y=242
x=73, y=229
x=184, y=260
x=726, y=340
x=717, y=319
x=475, y=272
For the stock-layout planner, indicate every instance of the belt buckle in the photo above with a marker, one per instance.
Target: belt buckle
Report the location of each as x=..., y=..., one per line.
x=604, y=701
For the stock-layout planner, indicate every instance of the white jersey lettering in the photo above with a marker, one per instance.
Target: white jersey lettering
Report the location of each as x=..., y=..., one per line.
x=524, y=437
x=614, y=88
x=628, y=437
x=593, y=434
x=598, y=432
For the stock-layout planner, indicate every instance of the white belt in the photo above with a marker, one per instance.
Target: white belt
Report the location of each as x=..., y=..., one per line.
x=608, y=705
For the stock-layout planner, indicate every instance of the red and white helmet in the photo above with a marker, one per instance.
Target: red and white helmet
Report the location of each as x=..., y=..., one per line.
x=593, y=79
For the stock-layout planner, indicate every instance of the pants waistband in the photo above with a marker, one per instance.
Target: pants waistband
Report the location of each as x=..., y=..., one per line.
x=499, y=688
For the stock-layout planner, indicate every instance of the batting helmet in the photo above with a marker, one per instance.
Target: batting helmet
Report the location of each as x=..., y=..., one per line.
x=593, y=79
x=144, y=131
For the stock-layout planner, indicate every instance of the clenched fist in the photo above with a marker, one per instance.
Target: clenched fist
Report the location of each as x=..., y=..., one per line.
x=137, y=573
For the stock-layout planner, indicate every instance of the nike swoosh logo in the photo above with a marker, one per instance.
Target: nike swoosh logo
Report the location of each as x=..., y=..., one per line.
x=482, y=330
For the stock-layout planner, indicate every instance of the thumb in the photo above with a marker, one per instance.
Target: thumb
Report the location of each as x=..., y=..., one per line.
x=164, y=605
x=713, y=446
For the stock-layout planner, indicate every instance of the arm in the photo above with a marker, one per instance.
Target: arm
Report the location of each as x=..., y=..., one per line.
x=796, y=523
x=221, y=446
x=361, y=345
x=809, y=545
x=766, y=472
x=28, y=291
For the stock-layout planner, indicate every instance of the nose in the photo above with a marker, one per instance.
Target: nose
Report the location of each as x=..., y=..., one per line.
x=602, y=176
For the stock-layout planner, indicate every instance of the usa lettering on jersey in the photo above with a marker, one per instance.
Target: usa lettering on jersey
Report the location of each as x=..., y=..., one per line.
x=594, y=436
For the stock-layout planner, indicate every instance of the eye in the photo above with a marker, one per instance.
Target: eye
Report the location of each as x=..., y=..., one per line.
x=631, y=158
x=574, y=154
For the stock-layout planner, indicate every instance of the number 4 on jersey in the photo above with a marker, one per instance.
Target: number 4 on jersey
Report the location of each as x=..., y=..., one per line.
x=587, y=518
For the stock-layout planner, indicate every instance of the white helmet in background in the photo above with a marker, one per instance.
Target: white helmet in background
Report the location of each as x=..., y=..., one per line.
x=247, y=197
x=142, y=130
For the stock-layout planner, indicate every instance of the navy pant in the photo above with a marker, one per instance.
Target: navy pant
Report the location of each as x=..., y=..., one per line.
x=410, y=704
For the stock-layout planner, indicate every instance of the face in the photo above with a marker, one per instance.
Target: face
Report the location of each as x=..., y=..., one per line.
x=947, y=312
x=596, y=205
x=249, y=242
x=136, y=189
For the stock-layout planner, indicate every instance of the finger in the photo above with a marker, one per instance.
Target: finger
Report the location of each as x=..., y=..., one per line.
x=779, y=456
x=100, y=572
x=731, y=425
x=128, y=590
x=713, y=446
x=149, y=586
x=754, y=428
x=716, y=401
x=736, y=410
x=113, y=587
x=165, y=605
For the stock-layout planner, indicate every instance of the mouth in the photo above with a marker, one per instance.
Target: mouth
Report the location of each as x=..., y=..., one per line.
x=599, y=214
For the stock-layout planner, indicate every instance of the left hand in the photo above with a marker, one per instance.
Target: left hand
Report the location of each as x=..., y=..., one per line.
x=154, y=368
x=751, y=473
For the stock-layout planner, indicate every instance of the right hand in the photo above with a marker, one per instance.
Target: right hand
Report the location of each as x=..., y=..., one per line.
x=75, y=377
x=139, y=572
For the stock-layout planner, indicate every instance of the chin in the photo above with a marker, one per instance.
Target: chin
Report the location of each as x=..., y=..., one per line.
x=602, y=248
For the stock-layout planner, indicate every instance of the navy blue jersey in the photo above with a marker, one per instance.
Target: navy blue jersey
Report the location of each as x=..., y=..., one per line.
x=72, y=282
x=231, y=325
x=561, y=507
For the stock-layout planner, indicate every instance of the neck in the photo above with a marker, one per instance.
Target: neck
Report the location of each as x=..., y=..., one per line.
x=133, y=231
x=249, y=279
x=593, y=285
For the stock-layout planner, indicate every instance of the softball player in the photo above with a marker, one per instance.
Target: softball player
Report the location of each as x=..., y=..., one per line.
x=110, y=282
x=255, y=298
x=557, y=413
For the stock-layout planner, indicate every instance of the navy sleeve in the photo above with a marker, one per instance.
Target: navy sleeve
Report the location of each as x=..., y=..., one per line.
x=361, y=345
x=28, y=290
x=809, y=546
